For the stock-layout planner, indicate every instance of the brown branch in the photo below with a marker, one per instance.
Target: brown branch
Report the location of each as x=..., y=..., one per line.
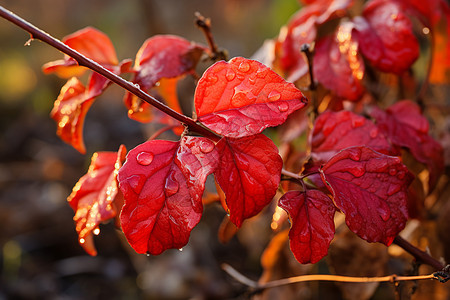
x=418, y=254
x=205, y=26
x=82, y=60
x=256, y=286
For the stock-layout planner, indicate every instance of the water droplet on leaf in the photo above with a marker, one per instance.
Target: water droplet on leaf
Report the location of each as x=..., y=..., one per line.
x=384, y=212
x=261, y=73
x=144, y=158
x=244, y=67
x=171, y=186
x=274, y=95
x=206, y=146
x=355, y=154
x=283, y=107
x=230, y=75
x=212, y=78
x=181, y=249
x=392, y=171
x=373, y=133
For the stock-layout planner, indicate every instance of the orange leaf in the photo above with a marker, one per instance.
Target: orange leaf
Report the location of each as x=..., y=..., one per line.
x=69, y=111
x=93, y=196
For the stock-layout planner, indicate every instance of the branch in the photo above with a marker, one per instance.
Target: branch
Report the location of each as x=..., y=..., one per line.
x=418, y=254
x=257, y=287
x=82, y=60
x=205, y=25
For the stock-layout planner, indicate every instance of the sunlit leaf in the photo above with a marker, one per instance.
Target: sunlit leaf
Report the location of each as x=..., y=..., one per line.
x=249, y=173
x=242, y=97
x=162, y=183
x=93, y=196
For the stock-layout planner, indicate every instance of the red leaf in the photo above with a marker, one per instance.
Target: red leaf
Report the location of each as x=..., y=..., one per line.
x=334, y=131
x=161, y=57
x=69, y=111
x=90, y=42
x=249, y=173
x=370, y=188
x=165, y=56
x=242, y=97
x=337, y=64
x=405, y=126
x=93, y=195
x=312, y=223
x=162, y=183
x=302, y=30
x=385, y=36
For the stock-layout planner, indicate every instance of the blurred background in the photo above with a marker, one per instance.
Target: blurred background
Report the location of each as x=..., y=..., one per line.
x=39, y=254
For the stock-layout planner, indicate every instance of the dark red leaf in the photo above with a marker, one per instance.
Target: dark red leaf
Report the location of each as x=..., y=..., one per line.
x=249, y=173
x=242, y=97
x=93, y=196
x=337, y=64
x=370, y=188
x=334, y=131
x=312, y=223
x=385, y=36
x=302, y=29
x=405, y=126
x=69, y=111
x=162, y=183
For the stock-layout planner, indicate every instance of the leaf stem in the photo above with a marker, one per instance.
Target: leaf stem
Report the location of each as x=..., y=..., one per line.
x=318, y=277
x=306, y=49
x=39, y=34
x=418, y=254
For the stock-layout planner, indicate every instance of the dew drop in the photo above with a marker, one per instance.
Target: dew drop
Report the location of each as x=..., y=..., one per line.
x=144, y=158
x=212, y=78
x=392, y=171
x=274, y=95
x=137, y=85
x=171, y=186
x=244, y=67
x=283, y=106
x=133, y=181
x=393, y=188
x=401, y=175
x=357, y=171
x=384, y=212
x=181, y=249
x=82, y=241
x=358, y=122
x=206, y=146
x=96, y=231
x=355, y=155
x=373, y=133
x=261, y=73
x=147, y=254
x=239, y=99
x=230, y=75
x=252, y=80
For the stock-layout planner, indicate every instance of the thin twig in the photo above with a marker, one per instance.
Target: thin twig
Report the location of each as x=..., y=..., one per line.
x=318, y=277
x=82, y=60
x=418, y=254
x=205, y=25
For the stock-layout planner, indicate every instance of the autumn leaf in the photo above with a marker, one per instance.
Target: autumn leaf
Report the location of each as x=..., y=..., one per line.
x=163, y=183
x=69, y=111
x=302, y=29
x=406, y=127
x=334, y=131
x=370, y=188
x=249, y=173
x=161, y=57
x=338, y=65
x=311, y=213
x=242, y=97
x=91, y=43
x=93, y=196
x=385, y=36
